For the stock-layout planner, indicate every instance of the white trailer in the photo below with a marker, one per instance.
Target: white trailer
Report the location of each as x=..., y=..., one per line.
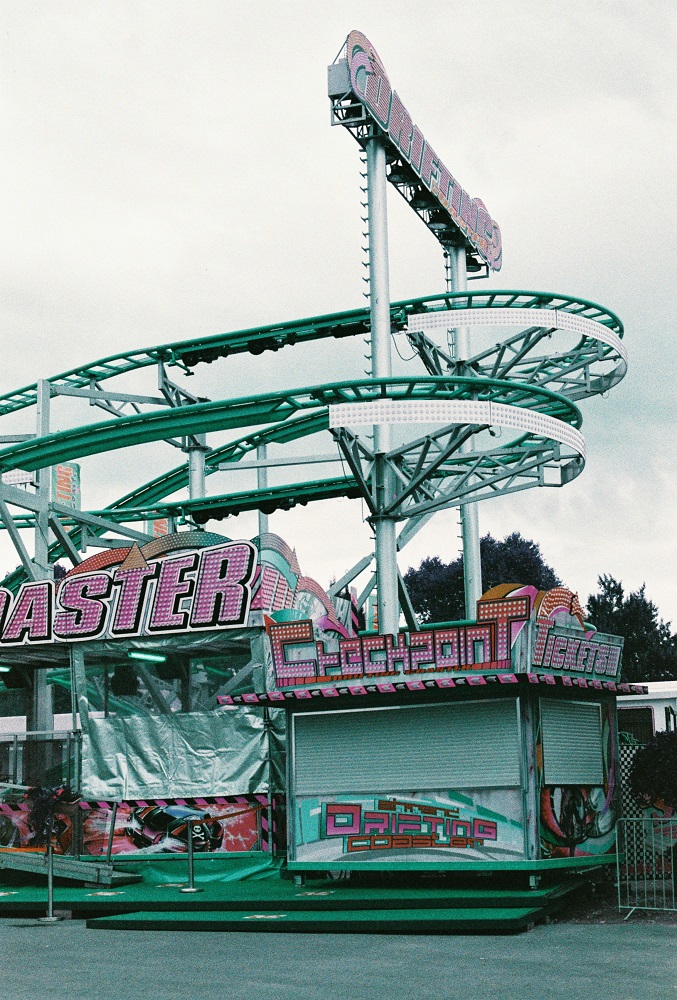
x=641, y=716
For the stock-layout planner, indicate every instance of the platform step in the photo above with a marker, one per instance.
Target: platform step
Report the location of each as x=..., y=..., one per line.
x=106, y=892
x=387, y=921
x=64, y=867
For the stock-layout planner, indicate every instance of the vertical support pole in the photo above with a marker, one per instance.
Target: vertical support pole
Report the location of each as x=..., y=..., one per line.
x=42, y=718
x=111, y=834
x=50, y=918
x=77, y=763
x=79, y=684
x=470, y=531
x=191, y=887
x=267, y=726
x=262, y=484
x=15, y=760
x=69, y=756
x=527, y=706
x=379, y=288
x=78, y=702
x=50, y=880
x=74, y=697
x=196, y=467
x=43, y=477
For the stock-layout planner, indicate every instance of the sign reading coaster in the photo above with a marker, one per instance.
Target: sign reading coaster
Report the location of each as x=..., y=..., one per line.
x=188, y=591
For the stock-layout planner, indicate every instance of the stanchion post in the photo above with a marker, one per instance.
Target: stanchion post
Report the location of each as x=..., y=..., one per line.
x=50, y=918
x=111, y=833
x=191, y=887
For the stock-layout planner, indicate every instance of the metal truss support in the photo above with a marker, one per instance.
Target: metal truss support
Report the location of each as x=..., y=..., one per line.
x=88, y=538
x=176, y=396
x=101, y=397
x=19, y=498
x=79, y=685
x=153, y=688
x=362, y=598
x=22, y=551
x=196, y=449
x=42, y=710
x=100, y=522
x=355, y=453
x=43, y=482
x=64, y=539
x=406, y=605
x=470, y=532
x=241, y=675
x=379, y=290
x=348, y=577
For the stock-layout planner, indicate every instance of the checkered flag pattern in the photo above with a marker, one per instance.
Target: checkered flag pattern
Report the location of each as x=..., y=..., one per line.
x=629, y=807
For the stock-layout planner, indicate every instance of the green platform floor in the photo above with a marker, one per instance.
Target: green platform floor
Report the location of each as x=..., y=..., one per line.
x=438, y=920
x=249, y=893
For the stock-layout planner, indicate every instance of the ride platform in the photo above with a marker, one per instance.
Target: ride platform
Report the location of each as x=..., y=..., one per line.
x=247, y=893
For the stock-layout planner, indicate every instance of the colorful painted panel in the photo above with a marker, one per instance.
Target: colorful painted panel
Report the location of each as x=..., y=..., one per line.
x=161, y=827
x=15, y=830
x=578, y=820
x=404, y=826
x=155, y=827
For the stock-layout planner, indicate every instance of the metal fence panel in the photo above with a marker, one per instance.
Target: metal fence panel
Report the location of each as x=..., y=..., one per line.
x=30, y=759
x=648, y=872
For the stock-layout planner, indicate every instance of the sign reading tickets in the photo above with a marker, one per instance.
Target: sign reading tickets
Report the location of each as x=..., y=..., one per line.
x=554, y=640
x=189, y=591
x=370, y=84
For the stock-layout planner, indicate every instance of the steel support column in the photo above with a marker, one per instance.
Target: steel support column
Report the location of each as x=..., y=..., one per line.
x=196, y=468
x=41, y=714
x=470, y=531
x=262, y=484
x=384, y=527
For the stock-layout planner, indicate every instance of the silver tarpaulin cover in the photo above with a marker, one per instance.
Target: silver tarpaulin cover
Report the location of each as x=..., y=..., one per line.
x=180, y=755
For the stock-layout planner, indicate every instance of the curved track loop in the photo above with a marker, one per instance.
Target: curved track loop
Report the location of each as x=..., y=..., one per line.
x=517, y=378
x=187, y=354
x=228, y=414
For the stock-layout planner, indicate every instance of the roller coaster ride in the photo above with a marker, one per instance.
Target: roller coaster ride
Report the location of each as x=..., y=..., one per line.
x=490, y=422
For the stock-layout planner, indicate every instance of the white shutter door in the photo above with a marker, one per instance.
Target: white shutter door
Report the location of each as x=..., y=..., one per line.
x=469, y=745
x=572, y=743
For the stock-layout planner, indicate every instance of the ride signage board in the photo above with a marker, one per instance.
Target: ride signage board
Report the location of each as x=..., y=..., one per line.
x=176, y=583
x=189, y=591
x=518, y=630
x=369, y=83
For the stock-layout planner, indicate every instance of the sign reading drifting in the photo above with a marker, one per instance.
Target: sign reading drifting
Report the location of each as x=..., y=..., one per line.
x=362, y=74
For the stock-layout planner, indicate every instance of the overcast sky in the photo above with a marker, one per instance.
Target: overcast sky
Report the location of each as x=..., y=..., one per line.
x=169, y=171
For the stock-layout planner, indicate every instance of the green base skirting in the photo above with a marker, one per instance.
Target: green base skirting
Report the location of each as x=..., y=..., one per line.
x=388, y=921
x=543, y=866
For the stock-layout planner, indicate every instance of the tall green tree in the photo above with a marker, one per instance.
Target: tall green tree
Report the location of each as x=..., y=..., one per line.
x=436, y=588
x=650, y=648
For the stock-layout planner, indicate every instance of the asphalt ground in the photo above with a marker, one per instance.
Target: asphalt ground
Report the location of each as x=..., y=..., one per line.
x=65, y=961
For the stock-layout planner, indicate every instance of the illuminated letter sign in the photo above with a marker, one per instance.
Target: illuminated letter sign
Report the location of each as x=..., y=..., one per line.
x=369, y=83
x=209, y=589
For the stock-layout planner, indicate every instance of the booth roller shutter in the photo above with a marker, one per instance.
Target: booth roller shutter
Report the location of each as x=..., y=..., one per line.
x=572, y=743
x=474, y=745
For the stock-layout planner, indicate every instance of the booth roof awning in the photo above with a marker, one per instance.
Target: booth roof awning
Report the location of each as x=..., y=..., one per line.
x=471, y=682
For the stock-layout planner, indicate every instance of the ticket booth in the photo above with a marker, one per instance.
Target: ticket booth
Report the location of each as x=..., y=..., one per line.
x=474, y=746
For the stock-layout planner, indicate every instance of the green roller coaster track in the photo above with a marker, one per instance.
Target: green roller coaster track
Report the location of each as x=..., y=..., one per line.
x=513, y=373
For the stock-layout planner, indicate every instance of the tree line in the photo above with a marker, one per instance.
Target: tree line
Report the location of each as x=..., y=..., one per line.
x=650, y=649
